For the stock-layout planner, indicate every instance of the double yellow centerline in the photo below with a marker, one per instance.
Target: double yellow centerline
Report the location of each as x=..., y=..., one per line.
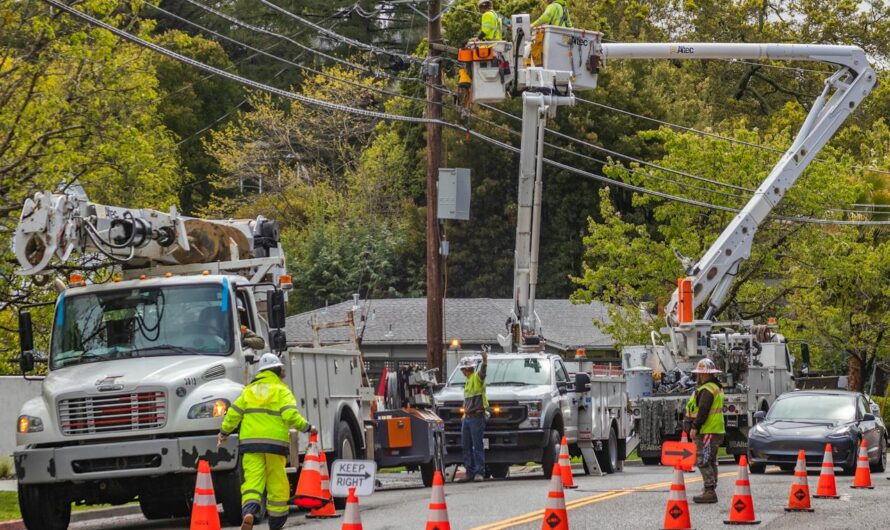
x=584, y=501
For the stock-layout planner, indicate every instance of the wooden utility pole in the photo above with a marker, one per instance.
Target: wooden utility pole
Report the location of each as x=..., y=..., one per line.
x=434, y=340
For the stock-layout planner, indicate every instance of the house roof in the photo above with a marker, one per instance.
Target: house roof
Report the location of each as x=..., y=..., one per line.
x=401, y=321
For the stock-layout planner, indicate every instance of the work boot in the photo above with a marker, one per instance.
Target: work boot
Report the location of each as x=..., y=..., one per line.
x=478, y=478
x=466, y=478
x=708, y=496
x=247, y=522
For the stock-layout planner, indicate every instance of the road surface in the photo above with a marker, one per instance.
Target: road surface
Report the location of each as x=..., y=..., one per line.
x=633, y=499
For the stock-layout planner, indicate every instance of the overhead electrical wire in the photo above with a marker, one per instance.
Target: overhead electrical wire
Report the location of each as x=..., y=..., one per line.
x=411, y=119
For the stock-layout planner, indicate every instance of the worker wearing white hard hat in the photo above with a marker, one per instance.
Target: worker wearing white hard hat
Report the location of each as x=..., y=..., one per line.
x=704, y=413
x=472, y=429
x=265, y=410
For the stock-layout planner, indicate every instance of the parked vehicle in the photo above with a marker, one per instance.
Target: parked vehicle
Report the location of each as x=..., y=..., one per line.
x=808, y=420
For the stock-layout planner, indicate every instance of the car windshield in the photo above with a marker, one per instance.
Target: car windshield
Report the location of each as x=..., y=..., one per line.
x=150, y=321
x=816, y=407
x=511, y=371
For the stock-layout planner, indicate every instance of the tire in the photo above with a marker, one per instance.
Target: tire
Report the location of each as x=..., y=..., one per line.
x=44, y=507
x=756, y=469
x=346, y=450
x=608, y=457
x=881, y=465
x=428, y=470
x=499, y=470
x=551, y=453
x=651, y=460
x=229, y=495
x=157, y=507
x=787, y=467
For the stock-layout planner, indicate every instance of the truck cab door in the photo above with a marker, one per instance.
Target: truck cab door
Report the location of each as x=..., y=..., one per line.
x=568, y=400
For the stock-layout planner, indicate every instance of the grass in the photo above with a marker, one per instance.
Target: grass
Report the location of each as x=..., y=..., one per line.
x=6, y=467
x=9, y=506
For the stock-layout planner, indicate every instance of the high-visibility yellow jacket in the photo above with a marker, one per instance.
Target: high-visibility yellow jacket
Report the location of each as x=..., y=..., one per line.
x=714, y=422
x=266, y=409
x=491, y=26
x=555, y=14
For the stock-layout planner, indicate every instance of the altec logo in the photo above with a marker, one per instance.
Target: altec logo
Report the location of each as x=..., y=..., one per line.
x=682, y=49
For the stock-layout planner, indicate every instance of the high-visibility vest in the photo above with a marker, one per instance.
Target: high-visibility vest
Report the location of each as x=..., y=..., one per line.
x=555, y=14
x=714, y=424
x=265, y=410
x=475, y=386
x=491, y=26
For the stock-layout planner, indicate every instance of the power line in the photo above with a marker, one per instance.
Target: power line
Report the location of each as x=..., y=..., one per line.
x=411, y=119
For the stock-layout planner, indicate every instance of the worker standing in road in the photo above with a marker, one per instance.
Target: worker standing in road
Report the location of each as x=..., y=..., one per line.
x=705, y=410
x=265, y=410
x=475, y=411
x=492, y=29
x=556, y=14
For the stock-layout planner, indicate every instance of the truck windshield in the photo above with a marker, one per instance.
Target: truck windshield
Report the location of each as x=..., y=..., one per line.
x=151, y=321
x=511, y=372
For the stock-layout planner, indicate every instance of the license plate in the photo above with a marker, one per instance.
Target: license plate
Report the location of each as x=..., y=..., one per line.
x=485, y=443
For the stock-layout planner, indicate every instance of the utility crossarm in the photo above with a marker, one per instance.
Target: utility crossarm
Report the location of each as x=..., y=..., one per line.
x=58, y=226
x=550, y=62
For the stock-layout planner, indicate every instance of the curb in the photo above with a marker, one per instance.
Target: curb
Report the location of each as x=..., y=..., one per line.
x=86, y=515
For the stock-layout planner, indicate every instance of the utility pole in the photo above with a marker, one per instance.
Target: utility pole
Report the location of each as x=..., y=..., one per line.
x=434, y=340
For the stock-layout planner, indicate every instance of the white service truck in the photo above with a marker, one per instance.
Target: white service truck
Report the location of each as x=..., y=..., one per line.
x=141, y=369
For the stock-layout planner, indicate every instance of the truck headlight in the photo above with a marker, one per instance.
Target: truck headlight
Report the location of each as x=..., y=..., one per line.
x=214, y=408
x=533, y=416
x=29, y=424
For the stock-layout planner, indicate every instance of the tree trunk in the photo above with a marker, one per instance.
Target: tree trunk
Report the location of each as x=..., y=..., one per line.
x=854, y=372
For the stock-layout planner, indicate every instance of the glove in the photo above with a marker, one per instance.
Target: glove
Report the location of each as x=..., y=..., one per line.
x=220, y=439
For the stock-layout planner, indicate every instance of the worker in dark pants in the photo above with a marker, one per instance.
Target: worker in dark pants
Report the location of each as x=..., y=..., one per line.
x=705, y=410
x=472, y=429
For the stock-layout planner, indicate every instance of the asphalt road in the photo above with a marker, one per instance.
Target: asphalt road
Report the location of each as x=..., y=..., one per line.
x=633, y=499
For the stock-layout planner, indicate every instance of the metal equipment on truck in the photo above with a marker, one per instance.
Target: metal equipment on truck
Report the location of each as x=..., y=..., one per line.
x=141, y=369
x=547, y=64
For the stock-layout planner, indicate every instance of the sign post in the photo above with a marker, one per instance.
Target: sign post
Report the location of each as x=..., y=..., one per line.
x=358, y=474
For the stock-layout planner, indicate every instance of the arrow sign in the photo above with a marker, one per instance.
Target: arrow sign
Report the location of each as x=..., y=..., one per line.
x=358, y=474
x=678, y=453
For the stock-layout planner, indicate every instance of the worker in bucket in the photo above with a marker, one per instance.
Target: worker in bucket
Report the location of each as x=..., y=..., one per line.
x=265, y=410
x=555, y=14
x=492, y=28
x=249, y=339
x=475, y=413
x=706, y=429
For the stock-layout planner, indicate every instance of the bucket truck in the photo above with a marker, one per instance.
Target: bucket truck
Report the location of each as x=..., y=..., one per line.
x=547, y=64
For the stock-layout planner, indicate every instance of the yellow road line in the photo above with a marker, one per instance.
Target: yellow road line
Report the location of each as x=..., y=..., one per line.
x=584, y=501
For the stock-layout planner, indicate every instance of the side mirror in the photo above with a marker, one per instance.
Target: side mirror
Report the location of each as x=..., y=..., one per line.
x=582, y=382
x=277, y=340
x=26, y=340
x=276, y=309
x=759, y=416
x=868, y=417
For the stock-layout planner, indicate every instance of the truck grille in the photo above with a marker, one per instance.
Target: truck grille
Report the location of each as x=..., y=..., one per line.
x=508, y=416
x=117, y=412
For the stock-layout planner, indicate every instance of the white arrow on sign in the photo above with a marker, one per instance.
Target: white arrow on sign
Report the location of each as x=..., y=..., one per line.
x=358, y=474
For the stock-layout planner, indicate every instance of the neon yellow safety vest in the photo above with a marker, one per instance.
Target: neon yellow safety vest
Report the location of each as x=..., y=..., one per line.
x=491, y=26
x=555, y=14
x=714, y=424
x=265, y=410
x=475, y=386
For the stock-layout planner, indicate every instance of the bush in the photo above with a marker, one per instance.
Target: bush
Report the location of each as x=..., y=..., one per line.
x=884, y=403
x=6, y=468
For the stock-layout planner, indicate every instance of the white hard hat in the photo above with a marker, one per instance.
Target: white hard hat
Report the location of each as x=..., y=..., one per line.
x=467, y=362
x=269, y=360
x=481, y=3
x=706, y=366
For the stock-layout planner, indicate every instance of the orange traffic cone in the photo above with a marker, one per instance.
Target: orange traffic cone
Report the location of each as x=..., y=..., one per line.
x=565, y=465
x=741, y=509
x=685, y=439
x=827, y=488
x=799, y=499
x=555, y=515
x=438, y=518
x=327, y=511
x=351, y=518
x=204, y=513
x=862, y=480
x=676, y=514
x=309, y=494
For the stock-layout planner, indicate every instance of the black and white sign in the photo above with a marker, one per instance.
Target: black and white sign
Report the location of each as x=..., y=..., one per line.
x=358, y=474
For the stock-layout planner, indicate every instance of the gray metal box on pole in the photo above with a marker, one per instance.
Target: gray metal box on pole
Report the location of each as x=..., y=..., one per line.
x=454, y=193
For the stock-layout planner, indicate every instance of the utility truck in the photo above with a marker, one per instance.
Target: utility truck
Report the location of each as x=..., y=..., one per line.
x=546, y=65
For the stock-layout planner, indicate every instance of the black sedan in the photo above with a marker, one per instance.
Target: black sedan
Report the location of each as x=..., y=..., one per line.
x=808, y=420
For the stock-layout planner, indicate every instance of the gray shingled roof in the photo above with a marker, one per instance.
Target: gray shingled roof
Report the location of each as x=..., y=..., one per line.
x=394, y=321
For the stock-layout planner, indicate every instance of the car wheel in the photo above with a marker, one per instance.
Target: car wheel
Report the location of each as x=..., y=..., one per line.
x=756, y=469
x=551, y=453
x=881, y=465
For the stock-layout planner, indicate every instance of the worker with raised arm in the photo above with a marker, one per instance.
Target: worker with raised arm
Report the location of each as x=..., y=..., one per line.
x=492, y=29
x=265, y=410
x=555, y=14
x=472, y=428
x=705, y=410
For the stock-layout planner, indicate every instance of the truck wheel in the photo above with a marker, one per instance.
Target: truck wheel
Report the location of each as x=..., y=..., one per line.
x=44, y=506
x=346, y=450
x=651, y=460
x=163, y=507
x=428, y=470
x=551, y=453
x=229, y=495
x=608, y=457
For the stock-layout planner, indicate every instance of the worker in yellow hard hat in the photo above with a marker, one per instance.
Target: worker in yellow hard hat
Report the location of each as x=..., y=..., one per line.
x=705, y=411
x=492, y=29
x=556, y=14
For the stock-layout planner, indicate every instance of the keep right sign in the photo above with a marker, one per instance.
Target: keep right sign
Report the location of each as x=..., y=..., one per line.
x=358, y=474
x=678, y=453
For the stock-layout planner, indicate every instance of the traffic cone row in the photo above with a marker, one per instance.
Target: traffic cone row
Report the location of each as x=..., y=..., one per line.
x=862, y=480
x=327, y=511
x=799, y=498
x=565, y=465
x=309, y=494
